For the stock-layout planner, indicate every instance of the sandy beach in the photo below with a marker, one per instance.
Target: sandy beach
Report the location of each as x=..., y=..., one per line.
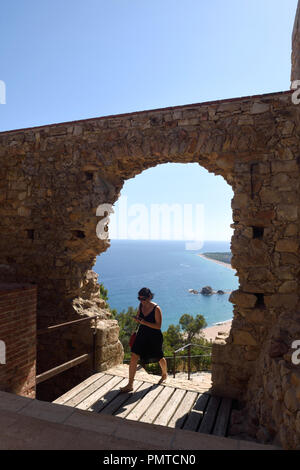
x=211, y=332
x=227, y=265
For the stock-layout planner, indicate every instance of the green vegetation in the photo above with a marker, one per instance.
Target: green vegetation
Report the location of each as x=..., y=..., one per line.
x=224, y=257
x=104, y=295
x=127, y=326
x=187, y=331
x=103, y=292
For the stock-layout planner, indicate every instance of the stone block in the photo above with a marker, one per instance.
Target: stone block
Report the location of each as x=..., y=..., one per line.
x=77, y=130
x=291, y=230
x=289, y=259
x=24, y=211
x=287, y=128
x=286, y=301
x=288, y=286
x=269, y=196
x=113, y=334
x=258, y=108
x=277, y=349
x=242, y=299
x=245, y=121
x=260, y=218
x=289, y=197
x=252, y=354
x=289, y=166
x=281, y=181
x=287, y=212
x=240, y=200
x=255, y=315
x=285, y=154
x=229, y=107
x=284, y=273
x=244, y=338
x=287, y=245
x=295, y=378
x=292, y=399
x=226, y=163
x=260, y=274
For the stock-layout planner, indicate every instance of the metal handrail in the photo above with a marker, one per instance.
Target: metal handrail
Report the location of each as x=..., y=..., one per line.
x=191, y=344
x=61, y=325
x=181, y=357
x=77, y=360
x=189, y=356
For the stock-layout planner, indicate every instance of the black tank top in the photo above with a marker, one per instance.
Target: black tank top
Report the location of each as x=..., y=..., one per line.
x=150, y=317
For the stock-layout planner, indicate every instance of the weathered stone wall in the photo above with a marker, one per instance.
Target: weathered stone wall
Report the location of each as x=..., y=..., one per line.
x=18, y=332
x=69, y=342
x=53, y=178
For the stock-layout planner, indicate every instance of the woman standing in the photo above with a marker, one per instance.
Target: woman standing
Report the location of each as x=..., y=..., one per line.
x=149, y=339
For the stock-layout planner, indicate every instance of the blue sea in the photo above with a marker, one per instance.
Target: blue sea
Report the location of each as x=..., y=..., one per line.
x=169, y=270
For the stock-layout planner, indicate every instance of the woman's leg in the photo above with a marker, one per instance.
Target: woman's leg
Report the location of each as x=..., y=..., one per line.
x=132, y=370
x=163, y=366
x=132, y=367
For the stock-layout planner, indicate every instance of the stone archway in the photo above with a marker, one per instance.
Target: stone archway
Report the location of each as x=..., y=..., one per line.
x=54, y=178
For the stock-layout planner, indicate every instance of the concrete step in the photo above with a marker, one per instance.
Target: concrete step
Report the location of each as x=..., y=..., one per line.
x=27, y=424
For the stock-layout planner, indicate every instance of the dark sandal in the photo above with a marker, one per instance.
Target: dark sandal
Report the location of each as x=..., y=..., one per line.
x=163, y=379
x=126, y=389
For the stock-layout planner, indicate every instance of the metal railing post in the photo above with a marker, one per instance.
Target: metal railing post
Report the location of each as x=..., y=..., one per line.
x=94, y=344
x=174, y=364
x=189, y=361
x=188, y=356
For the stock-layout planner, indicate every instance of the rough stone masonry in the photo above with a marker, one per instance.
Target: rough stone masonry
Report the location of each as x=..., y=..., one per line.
x=54, y=177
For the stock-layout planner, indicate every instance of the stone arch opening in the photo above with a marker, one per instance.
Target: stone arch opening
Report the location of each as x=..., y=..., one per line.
x=145, y=204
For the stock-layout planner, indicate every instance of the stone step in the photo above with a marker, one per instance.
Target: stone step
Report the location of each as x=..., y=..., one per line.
x=27, y=424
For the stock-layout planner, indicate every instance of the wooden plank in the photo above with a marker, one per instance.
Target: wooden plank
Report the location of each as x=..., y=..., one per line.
x=166, y=414
x=75, y=390
x=87, y=391
x=145, y=402
x=210, y=414
x=120, y=399
x=133, y=400
x=57, y=370
x=220, y=427
x=196, y=414
x=99, y=393
x=157, y=405
x=182, y=411
x=108, y=397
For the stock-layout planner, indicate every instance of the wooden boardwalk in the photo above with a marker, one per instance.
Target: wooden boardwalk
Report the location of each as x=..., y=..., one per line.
x=171, y=404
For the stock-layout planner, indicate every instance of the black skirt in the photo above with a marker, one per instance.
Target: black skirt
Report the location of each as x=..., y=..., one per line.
x=148, y=345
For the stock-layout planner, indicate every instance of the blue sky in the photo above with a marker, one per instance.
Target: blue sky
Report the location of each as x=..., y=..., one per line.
x=68, y=60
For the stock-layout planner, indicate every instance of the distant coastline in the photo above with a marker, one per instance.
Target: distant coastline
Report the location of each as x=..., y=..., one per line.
x=227, y=265
x=167, y=267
